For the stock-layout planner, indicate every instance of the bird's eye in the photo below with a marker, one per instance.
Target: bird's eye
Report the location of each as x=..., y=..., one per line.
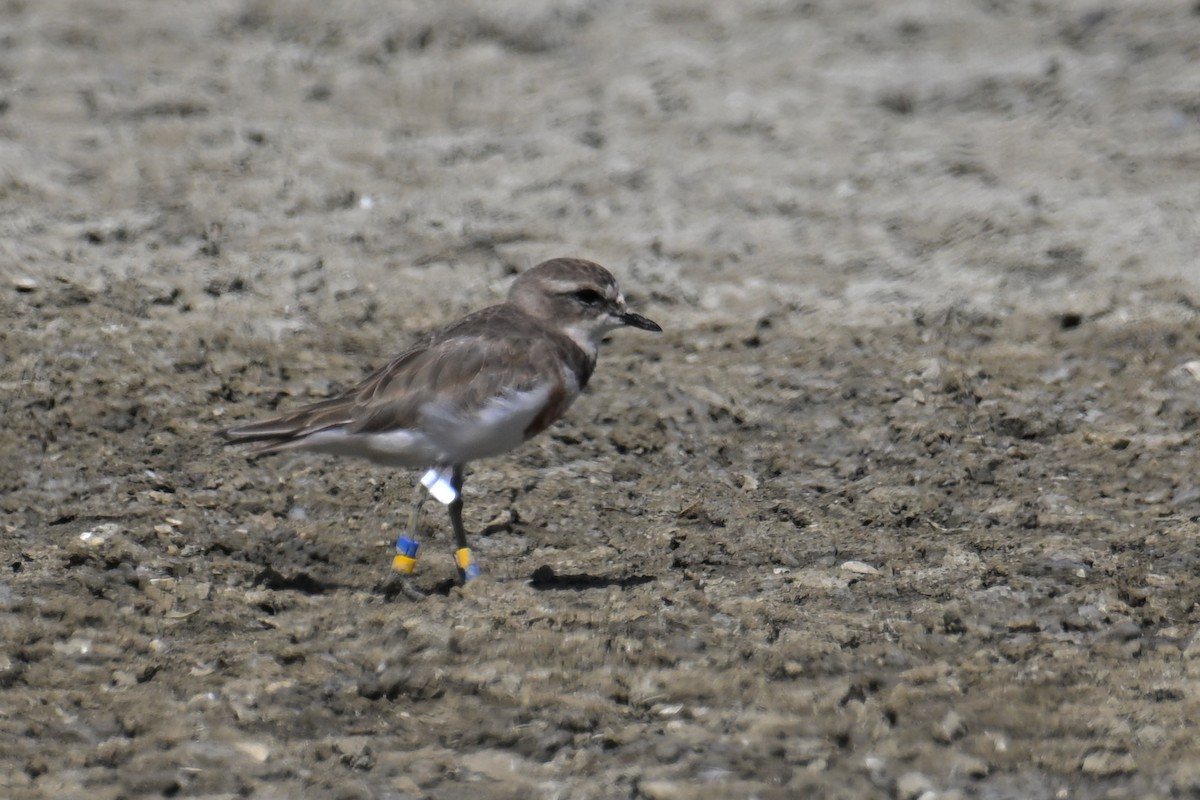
x=589, y=297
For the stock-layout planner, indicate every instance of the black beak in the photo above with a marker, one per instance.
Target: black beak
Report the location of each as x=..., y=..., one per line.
x=638, y=321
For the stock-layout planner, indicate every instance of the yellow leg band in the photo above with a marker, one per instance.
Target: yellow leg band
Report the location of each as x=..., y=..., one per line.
x=404, y=564
x=462, y=557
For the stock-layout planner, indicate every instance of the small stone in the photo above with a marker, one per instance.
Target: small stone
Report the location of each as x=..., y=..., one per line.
x=1151, y=735
x=972, y=766
x=668, y=751
x=950, y=728
x=1105, y=764
x=100, y=534
x=256, y=751
x=859, y=568
x=1191, y=369
x=1185, y=780
x=24, y=283
x=912, y=786
x=493, y=764
x=664, y=790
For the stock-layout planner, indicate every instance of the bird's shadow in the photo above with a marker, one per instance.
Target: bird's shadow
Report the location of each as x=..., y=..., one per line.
x=545, y=579
x=273, y=579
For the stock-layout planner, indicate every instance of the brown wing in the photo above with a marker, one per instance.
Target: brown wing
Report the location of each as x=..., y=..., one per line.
x=462, y=374
x=333, y=413
x=463, y=366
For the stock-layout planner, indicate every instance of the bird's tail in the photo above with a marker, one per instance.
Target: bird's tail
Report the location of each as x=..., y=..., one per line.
x=288, y=430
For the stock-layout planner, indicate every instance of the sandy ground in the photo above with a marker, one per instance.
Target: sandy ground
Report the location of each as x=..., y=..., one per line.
x=903, y=503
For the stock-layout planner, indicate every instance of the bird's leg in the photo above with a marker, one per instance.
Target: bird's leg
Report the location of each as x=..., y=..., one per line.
x=414, y=515
x=405, y=561
x=467, y=569
x=455, y=505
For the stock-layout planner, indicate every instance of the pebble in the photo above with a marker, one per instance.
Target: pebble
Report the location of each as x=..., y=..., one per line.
x=1192, y=369
x=913, y=786
x=100, y=534
x=1185, y=780
x=972, y=766
x=1105, y=764
x=664, y=790
x=255, y=751
x=950, y=728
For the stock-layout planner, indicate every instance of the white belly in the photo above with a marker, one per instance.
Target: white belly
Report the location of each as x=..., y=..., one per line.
x=443, y=437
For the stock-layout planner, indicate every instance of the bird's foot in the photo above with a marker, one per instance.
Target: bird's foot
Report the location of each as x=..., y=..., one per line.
x=396, y=585
x=404, y=563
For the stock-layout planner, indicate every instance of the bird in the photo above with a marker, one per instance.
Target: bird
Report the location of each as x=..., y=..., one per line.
x=474, y=389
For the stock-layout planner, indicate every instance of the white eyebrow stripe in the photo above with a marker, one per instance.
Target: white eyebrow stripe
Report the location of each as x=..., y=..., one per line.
x=565, y=287
x=560, y=287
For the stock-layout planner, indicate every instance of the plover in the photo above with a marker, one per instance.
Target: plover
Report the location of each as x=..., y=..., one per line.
x=475, y=389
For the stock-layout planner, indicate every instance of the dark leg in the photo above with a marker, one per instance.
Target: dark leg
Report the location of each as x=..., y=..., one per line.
x=414, y=514
x=460, y=533
x=467, y=569
x=405, y=560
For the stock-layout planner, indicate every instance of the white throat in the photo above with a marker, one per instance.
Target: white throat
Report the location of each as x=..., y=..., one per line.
x=588, y=333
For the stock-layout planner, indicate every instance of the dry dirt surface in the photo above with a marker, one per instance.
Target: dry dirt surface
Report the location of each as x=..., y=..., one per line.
x=903, y=504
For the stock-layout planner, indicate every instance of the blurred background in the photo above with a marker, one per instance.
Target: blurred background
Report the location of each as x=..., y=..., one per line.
x=852, y=158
